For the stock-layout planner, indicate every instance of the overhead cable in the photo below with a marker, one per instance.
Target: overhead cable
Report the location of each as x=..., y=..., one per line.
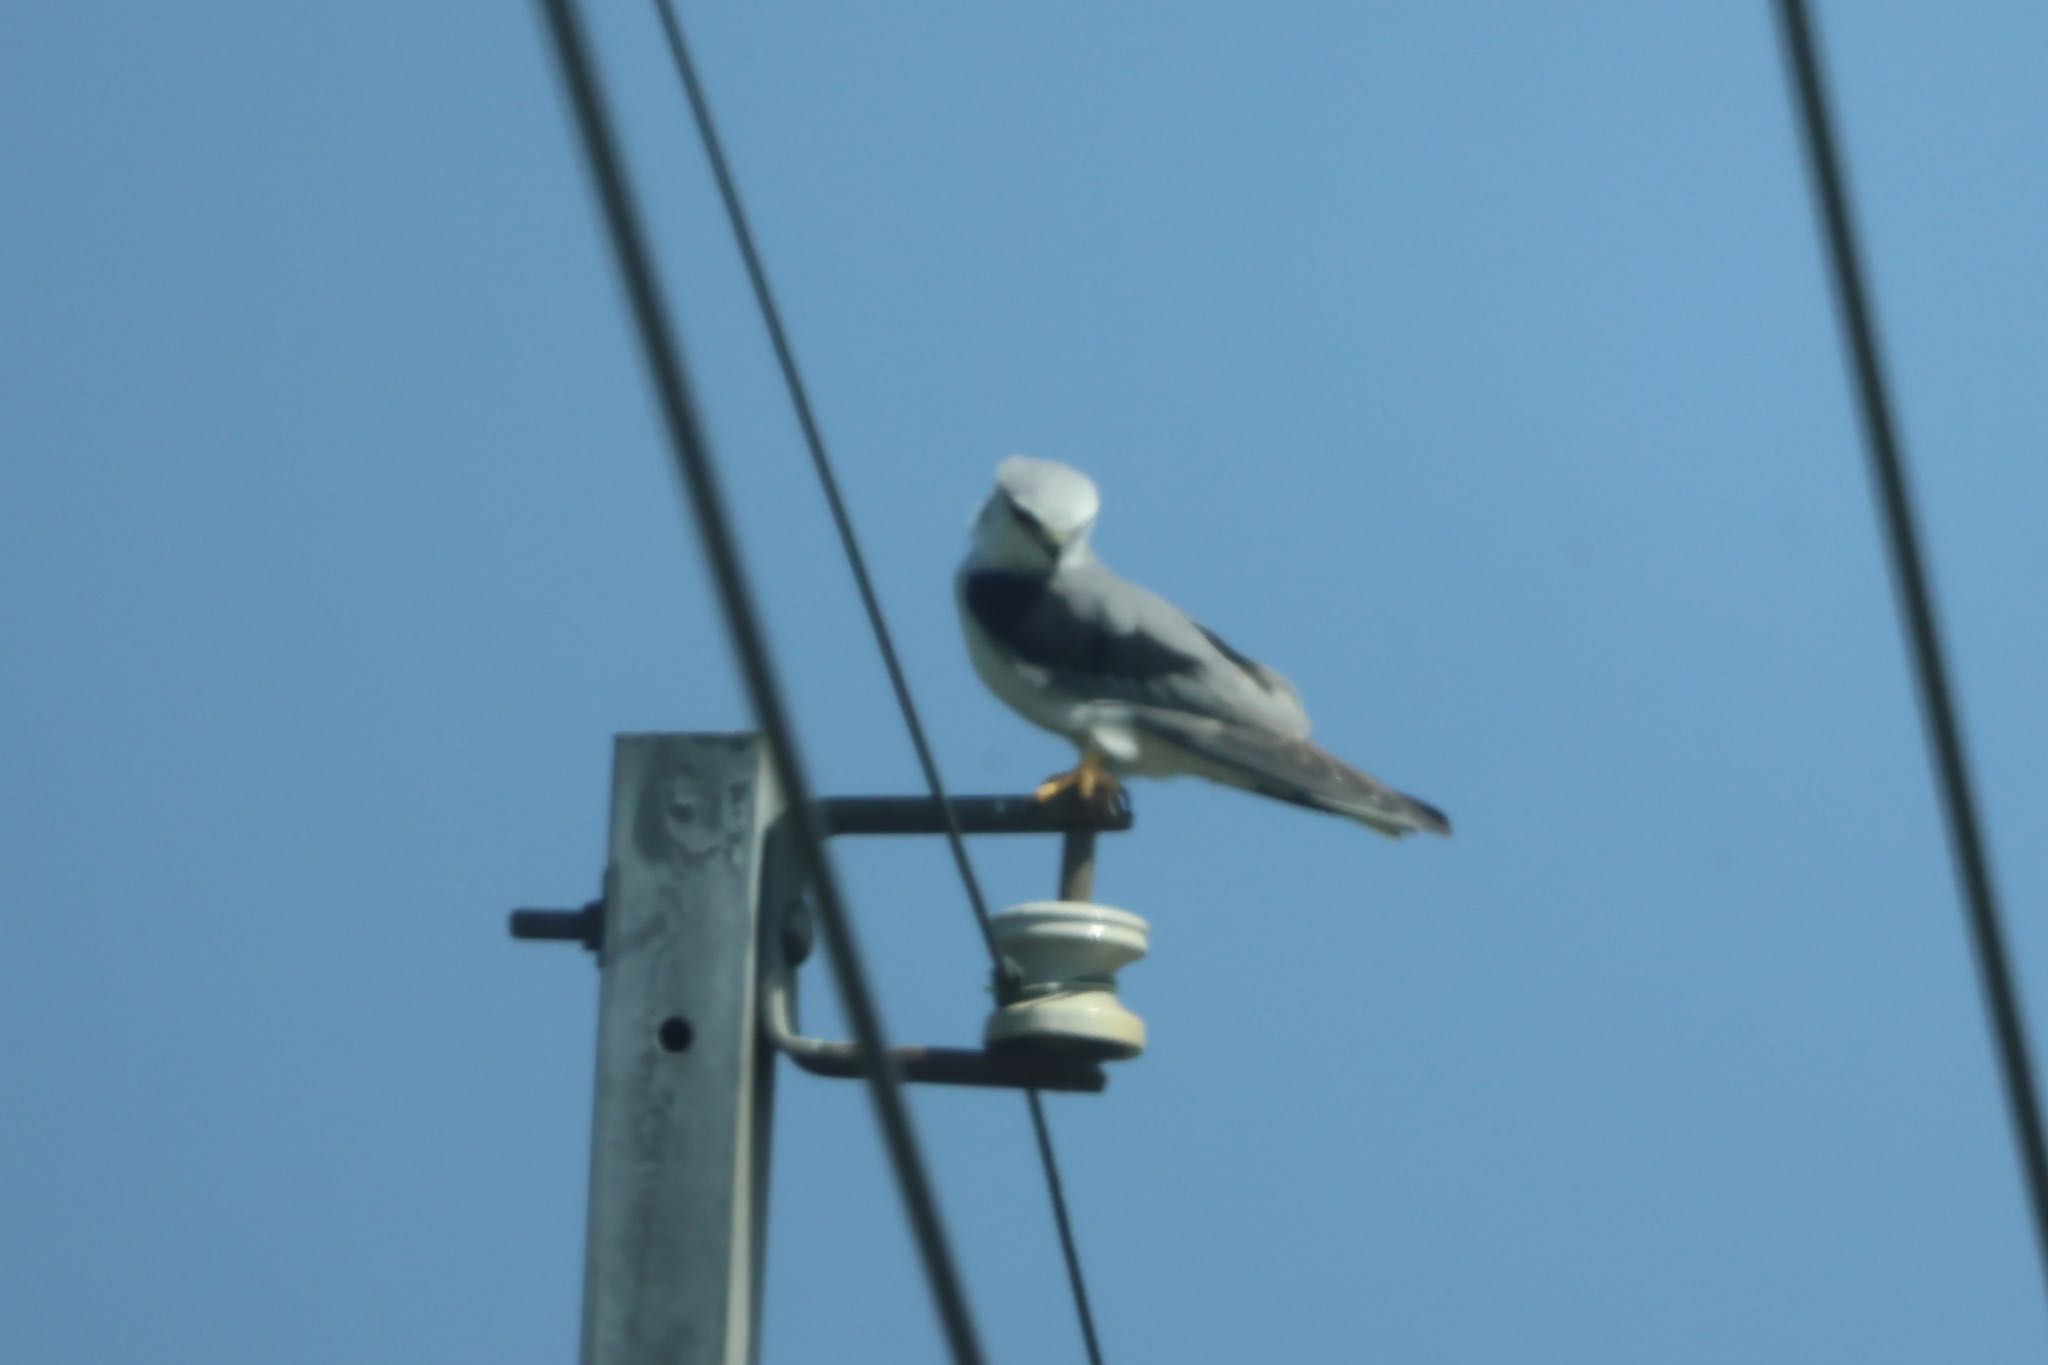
x=899, y=682
x=695, y=465
x=1918, y=617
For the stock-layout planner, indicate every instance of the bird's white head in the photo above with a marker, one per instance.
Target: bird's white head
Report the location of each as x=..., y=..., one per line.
x=1038, y=516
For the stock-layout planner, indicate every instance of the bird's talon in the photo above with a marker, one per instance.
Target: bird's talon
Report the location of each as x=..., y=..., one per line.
x=1090, y=784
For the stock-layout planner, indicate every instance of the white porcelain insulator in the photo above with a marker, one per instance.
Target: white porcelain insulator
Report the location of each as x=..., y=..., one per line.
x=1068, y=954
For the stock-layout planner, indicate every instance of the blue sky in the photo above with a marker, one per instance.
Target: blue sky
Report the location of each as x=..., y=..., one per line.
x=1473, y=364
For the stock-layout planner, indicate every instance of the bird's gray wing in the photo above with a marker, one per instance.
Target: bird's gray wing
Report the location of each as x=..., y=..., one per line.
x=1287, y=767
x=1091, y=635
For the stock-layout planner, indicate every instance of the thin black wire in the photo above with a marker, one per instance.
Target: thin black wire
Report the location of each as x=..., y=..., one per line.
x=799, y=395
x=1916, y=605
x=899, y=681
x=693, y=460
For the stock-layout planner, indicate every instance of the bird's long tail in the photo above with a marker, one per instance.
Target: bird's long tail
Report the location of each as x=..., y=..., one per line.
x=1290, y=769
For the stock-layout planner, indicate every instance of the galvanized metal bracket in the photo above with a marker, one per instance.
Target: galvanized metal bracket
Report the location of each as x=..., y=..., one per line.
x=786, y=933
x=1018, y=1068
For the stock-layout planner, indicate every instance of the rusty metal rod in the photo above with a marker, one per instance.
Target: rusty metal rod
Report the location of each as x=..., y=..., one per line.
x=1077, y=865
x=958, y=1066
x=972, y=815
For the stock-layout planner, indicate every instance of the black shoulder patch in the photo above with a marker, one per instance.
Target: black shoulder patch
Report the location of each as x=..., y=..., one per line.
x=1246, y=665
x=1041, y=628
x=1223, y=645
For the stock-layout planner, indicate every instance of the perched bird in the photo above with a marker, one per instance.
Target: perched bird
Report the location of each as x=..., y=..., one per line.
x=1136, y=684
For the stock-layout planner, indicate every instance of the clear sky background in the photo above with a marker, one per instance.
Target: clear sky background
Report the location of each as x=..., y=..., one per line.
x=1472, y=363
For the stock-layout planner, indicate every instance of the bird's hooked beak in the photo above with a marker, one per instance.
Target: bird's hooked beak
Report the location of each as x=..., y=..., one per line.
x=1047, y=539
x=999, y=508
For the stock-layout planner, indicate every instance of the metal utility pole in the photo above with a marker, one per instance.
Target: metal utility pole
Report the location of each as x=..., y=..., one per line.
x=679, y=1144
x=699, y=934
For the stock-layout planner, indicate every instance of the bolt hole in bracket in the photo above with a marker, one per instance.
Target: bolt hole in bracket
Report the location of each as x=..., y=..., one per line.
x=675, y=1034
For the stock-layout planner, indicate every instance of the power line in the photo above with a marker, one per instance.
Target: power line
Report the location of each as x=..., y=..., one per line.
x=814, y=440
x=1917, y=610
x=899, y=682
x=693, y=460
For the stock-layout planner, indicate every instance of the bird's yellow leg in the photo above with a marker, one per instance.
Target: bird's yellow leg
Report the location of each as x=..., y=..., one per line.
x=1089, y=778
